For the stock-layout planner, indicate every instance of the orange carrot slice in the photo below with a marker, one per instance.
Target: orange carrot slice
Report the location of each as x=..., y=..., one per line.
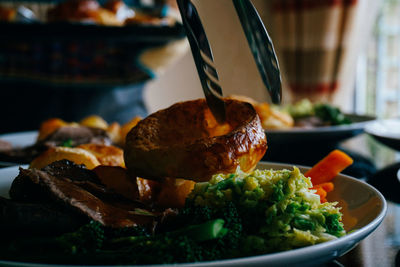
x=328, y=186
x=322, y=194
x=330, y=166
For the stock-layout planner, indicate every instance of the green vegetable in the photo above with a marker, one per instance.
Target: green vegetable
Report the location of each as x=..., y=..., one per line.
x=87, y=238
x=330, y=114
x=67, y=143
x=301, y=109
x=203, y=232
x=326, y=112
x=275, y=206
x=230, y=216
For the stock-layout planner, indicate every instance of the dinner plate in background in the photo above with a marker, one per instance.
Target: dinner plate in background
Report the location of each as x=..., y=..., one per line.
x=21, y=139
x=398, y=175
x=306, y=146
x=363, y=209
x=386, y=131
x=325, y=134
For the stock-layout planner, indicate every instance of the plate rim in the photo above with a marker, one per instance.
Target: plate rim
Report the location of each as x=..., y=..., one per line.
x=359, y=125
x=12, y=135
x=371, y=129
x=353, y=238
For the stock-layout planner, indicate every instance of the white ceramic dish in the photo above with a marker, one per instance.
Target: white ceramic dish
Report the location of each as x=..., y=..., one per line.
x=21, y=139
x=324, y=134
x=398, y=175
x=363, y=210
x=386, y=131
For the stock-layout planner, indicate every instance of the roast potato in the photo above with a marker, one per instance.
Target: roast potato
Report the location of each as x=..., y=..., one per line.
x=94, y=121
x=77, y=155
x=106, y=155
x=185, y=141
x=117, y=179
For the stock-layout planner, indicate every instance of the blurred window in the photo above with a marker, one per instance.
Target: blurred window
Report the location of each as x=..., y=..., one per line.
x=378, y=71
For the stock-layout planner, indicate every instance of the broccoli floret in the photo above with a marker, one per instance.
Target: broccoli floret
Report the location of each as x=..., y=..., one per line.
x=188, y=244
x=333, y=224
x=159, y=249
x=330, y=114
x=87, y=238
x=221, y=247
x=202, y=234
x=112, y=233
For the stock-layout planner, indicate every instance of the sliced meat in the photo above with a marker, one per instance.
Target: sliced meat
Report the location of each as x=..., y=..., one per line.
x=32, y=218
x=72, y=171
x=77, y=135
x=74, y=195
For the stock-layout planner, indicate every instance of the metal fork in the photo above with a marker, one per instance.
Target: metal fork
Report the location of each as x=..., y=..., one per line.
x=203, y=59
x=261, y=46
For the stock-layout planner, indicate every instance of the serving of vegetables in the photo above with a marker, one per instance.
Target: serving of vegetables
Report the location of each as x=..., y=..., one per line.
x=316, y=114
x=232, y=215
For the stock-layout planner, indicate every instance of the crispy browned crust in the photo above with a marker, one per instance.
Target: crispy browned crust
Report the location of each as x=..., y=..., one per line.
x=184, y=141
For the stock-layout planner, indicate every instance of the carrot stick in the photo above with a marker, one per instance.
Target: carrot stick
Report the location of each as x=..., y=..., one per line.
x=328, y=186
x=322, y=194
x=330, y=166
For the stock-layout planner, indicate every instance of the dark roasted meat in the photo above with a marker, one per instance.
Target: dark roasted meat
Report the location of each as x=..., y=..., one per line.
x=22, y=217
x=67, y=135
x=79, y=193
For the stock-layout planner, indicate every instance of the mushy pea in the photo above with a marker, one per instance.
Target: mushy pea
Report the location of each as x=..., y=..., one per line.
x=278, y=209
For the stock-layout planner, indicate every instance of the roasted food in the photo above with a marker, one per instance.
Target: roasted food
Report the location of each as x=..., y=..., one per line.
x=74, y=154
x=127, y=127
x=185, y=141
x=7, y=14
x=113, y=131
x=90, y=155
x=57, y=132
x=106, y=155
x=78, y=190
x=24, y=217
x=302, y=114
x=271, y=118
x=83, y=11
x=69, y=136
x=112, y=13
x=116, y=178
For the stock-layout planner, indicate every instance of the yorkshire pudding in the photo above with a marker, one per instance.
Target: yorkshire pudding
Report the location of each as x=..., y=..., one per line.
x=185, y=141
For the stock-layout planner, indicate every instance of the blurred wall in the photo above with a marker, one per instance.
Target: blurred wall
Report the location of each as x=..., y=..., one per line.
x=235, y=64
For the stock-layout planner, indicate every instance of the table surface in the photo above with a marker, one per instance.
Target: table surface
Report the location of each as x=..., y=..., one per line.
x=382, y=247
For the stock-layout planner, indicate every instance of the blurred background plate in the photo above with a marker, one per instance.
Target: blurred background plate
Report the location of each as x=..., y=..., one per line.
x=325, y=134
x=386, y=131
x=306, y=146
x=21, y=139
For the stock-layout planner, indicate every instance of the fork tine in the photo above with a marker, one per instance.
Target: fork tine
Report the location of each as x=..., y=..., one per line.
x=214, y=81
x=203, y=59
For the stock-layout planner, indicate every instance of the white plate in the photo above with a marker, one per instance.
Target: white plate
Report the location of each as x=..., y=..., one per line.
x=20, y=139
x=323, y=134
x=364, y=211
x=386, y=131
